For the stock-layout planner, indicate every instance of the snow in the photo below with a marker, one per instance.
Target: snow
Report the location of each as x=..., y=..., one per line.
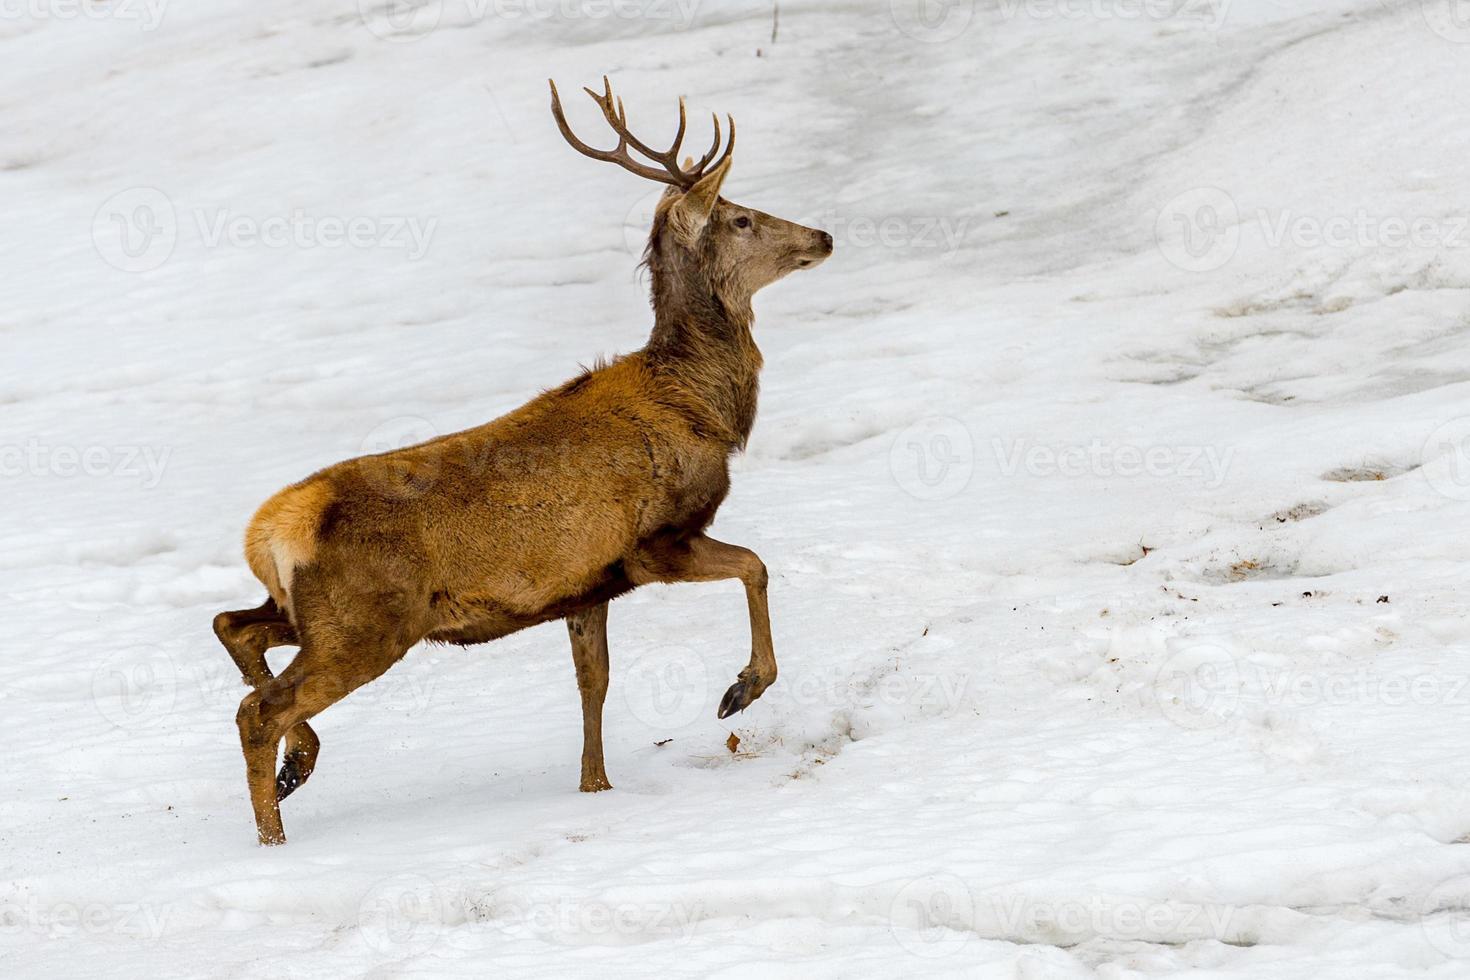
x=1112, y=477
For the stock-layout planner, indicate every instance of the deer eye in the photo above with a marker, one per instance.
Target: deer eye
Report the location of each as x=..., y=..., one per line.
x=742, y=222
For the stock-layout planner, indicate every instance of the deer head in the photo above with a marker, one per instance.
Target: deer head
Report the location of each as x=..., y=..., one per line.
x=708, y=256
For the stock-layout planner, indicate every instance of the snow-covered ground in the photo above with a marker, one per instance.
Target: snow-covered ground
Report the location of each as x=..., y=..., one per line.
x=1113, y=478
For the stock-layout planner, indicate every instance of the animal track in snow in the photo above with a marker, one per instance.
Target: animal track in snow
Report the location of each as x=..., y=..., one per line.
x=1368, y=472
x=1299, y=512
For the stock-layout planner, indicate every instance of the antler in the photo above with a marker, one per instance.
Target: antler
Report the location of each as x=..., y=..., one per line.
x=617, y=118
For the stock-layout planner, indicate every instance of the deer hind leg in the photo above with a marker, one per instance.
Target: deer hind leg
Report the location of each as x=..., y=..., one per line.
x=247, y=634
x=327, y=669
x=588, y=630
x=703, y=559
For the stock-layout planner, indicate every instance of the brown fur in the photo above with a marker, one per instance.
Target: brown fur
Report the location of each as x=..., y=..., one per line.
x=587, y=491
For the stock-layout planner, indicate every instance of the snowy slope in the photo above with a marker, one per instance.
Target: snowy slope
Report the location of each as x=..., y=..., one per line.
x=1112, y=476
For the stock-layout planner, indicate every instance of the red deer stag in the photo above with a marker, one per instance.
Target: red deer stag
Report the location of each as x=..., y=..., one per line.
x=586, y=492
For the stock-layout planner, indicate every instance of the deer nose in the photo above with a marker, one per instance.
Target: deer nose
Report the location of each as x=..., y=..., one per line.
x=827, y=242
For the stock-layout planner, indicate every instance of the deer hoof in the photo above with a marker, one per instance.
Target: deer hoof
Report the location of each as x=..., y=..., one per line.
x=738, y=698
x=288, y=779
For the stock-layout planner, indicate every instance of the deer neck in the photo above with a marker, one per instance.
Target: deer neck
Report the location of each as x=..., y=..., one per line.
x=704, y=344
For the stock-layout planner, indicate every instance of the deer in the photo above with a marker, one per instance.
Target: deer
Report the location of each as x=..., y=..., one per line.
x=588, y=491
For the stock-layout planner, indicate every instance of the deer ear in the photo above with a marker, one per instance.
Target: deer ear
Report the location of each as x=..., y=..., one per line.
x=691, y=212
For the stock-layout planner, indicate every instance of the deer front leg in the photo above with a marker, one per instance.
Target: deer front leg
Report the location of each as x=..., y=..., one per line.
x=703, y=559
x=588, y=630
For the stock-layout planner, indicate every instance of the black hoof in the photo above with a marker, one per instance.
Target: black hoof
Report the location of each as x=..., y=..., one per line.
x=738, y=698
x=288, y=779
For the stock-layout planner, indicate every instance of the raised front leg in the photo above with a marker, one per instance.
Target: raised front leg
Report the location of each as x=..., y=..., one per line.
x=703, y=559
x=588, y=631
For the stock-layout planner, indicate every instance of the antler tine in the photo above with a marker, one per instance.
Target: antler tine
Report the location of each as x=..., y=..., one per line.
x=679, y=134
x=729, y=145
x=617, y=117
x=618, y=155
x=709, y=155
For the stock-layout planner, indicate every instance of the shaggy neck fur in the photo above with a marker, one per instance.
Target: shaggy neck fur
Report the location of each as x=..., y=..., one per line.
x=701, y=335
